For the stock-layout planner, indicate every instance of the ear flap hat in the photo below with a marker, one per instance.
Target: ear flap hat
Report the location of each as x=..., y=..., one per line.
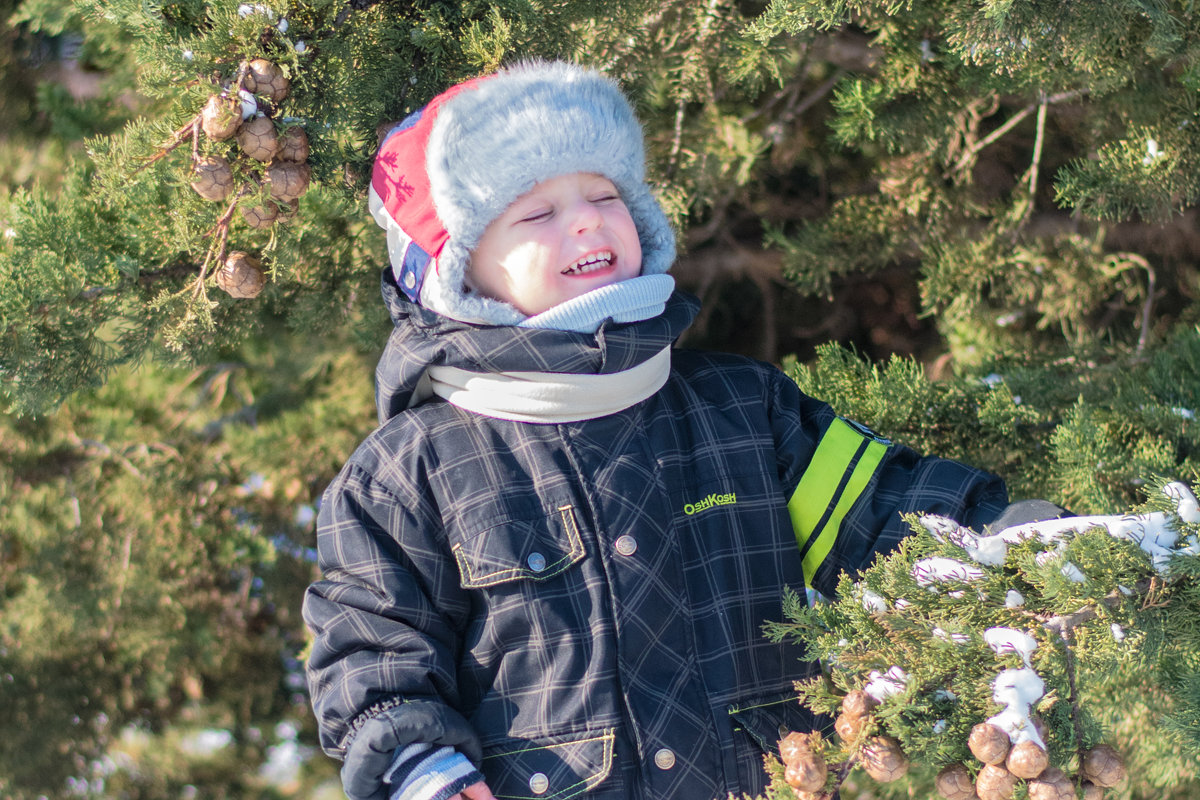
x=448, y=170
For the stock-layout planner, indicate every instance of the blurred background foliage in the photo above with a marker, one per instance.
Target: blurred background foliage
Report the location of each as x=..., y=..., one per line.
x=970, y=225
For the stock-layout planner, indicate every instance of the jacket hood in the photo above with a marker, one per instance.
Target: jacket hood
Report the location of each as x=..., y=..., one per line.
x=422, y=338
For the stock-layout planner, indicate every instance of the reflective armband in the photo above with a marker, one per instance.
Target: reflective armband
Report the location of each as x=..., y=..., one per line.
x=846, y=458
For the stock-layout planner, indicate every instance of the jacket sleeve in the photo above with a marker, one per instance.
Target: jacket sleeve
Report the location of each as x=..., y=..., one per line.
x=847, y=487
x=386, y=622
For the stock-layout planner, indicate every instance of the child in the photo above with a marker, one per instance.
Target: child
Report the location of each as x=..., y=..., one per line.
x=547, y=571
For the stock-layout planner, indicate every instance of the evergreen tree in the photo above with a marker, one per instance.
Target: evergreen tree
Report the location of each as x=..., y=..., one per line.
x=1005, y=189
x=1015, y=658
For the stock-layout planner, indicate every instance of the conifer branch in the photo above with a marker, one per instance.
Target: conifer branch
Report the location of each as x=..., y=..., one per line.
x=814, y=97
x=122, y=579
x=794, y=106
x=1073, y=688
x=677, y=140
x=1154, y=593
x=353, y=5
x=1063, y=624
x=190, y=129
x=1148, y=305
x=1036, y=165
x=216, y=251
x=103, y=450
x=843, y=772
x=966, y=158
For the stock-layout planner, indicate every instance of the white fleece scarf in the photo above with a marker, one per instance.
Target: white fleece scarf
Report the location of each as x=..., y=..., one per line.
x=554, y=397
x=550, y=397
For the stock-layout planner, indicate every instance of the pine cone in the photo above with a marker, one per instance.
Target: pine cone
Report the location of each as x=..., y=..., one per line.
x=883, y=759
x=257, y=139
x=849, y=727
x=293, y=145
x=1091, y=791
x=858, y=704
x=288, y=211
x=221, y=117
x=1103, y=766
x=212, y=178
x=1027, y=760
x=241, y=275
x=802, y=795
x=266, y=78
x=1052, y=784
x=794, y=745
x=995, y=783
x=288, y=181
x=807, y=772
x=260, y=216
x=954, y=783
x=988, y=743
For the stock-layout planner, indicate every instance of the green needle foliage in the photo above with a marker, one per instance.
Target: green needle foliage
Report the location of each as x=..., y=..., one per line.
x=1011, y=185
x=1116, y=649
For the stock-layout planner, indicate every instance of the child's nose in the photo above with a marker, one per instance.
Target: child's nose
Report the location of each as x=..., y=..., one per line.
x=586, y=218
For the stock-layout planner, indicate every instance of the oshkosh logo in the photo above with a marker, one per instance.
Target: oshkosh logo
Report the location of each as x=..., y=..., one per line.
x=713, y=499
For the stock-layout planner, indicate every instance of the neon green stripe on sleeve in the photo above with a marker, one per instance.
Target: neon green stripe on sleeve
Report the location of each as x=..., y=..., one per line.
x=854, y=487
x=820, y=480
x=817, y=491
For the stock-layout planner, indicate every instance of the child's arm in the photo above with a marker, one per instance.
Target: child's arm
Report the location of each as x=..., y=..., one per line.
x=847, y=487
x=385, y=622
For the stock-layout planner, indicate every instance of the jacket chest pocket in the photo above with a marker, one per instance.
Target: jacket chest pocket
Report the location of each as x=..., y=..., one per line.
x=549, y=770
x=758, y=726
x=535, y=548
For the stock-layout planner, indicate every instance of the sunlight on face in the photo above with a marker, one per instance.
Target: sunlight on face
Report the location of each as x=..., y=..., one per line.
x=563, y=238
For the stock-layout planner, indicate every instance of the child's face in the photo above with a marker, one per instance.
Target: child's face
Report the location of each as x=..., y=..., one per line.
x=564, y=237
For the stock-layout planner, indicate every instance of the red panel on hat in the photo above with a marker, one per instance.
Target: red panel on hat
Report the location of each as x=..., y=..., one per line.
x=402, y=182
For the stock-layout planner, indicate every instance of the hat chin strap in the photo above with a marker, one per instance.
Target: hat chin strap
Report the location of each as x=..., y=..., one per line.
x=550, y=397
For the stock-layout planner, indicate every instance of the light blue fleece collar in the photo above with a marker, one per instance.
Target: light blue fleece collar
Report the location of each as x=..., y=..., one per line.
x=633, y=300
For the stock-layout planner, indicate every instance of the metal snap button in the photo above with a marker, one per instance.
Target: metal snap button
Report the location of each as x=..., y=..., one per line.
x=536, y=561
x=539, y=783
x=410, y=280
x=626, y=545
x=664, y=759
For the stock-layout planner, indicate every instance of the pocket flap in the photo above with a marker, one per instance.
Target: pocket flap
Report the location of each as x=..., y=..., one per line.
x=536, y=771
x=516, y=549
x=769, y=719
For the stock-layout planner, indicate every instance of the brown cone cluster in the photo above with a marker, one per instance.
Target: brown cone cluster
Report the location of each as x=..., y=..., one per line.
x=276, y=154
x=1004, y=765
x=1102, y=766
x=855, y=714
x=241, y=275
x=880, y=756
x=955, y=783
x=883, y=759
x=805, y=769
x=212, y=177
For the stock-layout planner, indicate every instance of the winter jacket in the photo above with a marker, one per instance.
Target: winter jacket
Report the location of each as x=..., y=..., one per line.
x=578, y=607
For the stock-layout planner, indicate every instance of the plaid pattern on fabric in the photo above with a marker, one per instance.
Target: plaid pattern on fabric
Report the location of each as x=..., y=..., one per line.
x=589, y=596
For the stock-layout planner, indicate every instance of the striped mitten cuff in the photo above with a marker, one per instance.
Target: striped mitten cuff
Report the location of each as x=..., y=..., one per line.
x=426, y=772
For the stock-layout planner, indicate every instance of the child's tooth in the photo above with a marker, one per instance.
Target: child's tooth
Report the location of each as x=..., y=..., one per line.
x=589, y=263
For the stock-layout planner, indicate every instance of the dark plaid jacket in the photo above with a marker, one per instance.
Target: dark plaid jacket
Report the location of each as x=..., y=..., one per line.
x=579, y=607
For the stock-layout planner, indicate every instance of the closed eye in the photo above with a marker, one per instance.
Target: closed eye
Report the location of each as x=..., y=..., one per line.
x=538, y=215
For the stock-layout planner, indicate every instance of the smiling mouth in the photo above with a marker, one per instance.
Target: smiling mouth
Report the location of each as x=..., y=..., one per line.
x=590, y=263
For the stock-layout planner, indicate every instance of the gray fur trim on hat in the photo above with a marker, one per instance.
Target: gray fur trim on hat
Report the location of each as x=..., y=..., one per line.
x=494, y=142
